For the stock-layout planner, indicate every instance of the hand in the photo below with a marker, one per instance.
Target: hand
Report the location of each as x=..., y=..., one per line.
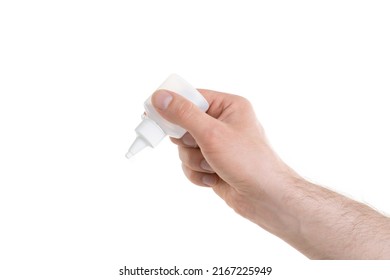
x=226, y=149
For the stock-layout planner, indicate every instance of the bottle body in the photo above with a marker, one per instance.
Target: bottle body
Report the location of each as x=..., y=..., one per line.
x=154, y=127
x=166, y=126
x=178, y=85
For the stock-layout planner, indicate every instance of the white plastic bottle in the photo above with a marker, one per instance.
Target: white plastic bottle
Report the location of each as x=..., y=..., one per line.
x=153, y=127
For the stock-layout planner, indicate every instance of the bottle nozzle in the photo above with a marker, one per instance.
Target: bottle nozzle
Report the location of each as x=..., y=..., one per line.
x=138, y=144
x=129, y=154
x=149, y=134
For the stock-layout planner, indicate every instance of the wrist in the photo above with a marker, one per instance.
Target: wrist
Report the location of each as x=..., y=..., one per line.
x=275, y=203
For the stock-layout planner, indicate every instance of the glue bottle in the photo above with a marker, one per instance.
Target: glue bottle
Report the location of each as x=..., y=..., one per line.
x=153, y=127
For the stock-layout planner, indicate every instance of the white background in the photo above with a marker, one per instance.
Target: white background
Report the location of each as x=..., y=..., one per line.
x=73, y=79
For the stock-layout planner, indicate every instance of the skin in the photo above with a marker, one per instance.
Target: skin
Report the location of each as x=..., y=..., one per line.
x=215, y=152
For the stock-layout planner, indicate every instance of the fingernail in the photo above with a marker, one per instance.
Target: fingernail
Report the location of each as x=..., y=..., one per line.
x=209, y=180
x=206, y=166
x=189, y=140
x=161, y=99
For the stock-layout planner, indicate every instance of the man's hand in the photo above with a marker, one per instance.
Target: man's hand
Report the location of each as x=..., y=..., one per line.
x=226, y=149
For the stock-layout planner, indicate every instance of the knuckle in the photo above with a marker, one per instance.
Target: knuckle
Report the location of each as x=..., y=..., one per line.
x=243, y=103
x=182, y=154
x=190, y=158
x=191, y=174
x=185, y=157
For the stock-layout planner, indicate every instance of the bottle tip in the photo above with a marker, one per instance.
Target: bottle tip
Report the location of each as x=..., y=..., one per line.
x=138, y=144
x=129, y=154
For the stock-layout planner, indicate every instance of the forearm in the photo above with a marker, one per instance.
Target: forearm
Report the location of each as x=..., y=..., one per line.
x=325, y=225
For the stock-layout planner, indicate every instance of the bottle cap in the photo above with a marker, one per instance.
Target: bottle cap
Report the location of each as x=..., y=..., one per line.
x=154, y=127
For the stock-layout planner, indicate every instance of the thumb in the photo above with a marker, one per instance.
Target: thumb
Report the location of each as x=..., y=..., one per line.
x=181, y=111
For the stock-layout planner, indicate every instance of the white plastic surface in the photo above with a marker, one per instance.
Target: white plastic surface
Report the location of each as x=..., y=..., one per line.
x=138, y=144
x=180, y=86
x=154, y=127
